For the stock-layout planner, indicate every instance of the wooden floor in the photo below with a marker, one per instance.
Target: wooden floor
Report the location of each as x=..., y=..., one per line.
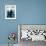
x=7, y=45
x=31, y=43
x=28, y=43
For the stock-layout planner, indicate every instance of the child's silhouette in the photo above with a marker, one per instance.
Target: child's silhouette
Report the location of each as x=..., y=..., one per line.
x=10, y=14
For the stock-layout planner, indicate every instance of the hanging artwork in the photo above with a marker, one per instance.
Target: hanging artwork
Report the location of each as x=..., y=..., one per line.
x=10, y=11
x=32, y=32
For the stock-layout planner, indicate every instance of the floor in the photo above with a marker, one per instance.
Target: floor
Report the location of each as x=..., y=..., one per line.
x=7, y=45
x=28, y=43
x=32, y=43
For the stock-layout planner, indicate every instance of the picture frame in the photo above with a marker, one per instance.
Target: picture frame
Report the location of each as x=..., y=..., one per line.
x=10, y=11
x=36, y=32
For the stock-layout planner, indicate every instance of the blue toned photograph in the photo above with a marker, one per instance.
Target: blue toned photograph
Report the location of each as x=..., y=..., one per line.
x=10, y=14
x=10, y=11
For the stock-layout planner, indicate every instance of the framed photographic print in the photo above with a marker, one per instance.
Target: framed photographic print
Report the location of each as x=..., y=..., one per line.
x=10, y=11
x=33, y=32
